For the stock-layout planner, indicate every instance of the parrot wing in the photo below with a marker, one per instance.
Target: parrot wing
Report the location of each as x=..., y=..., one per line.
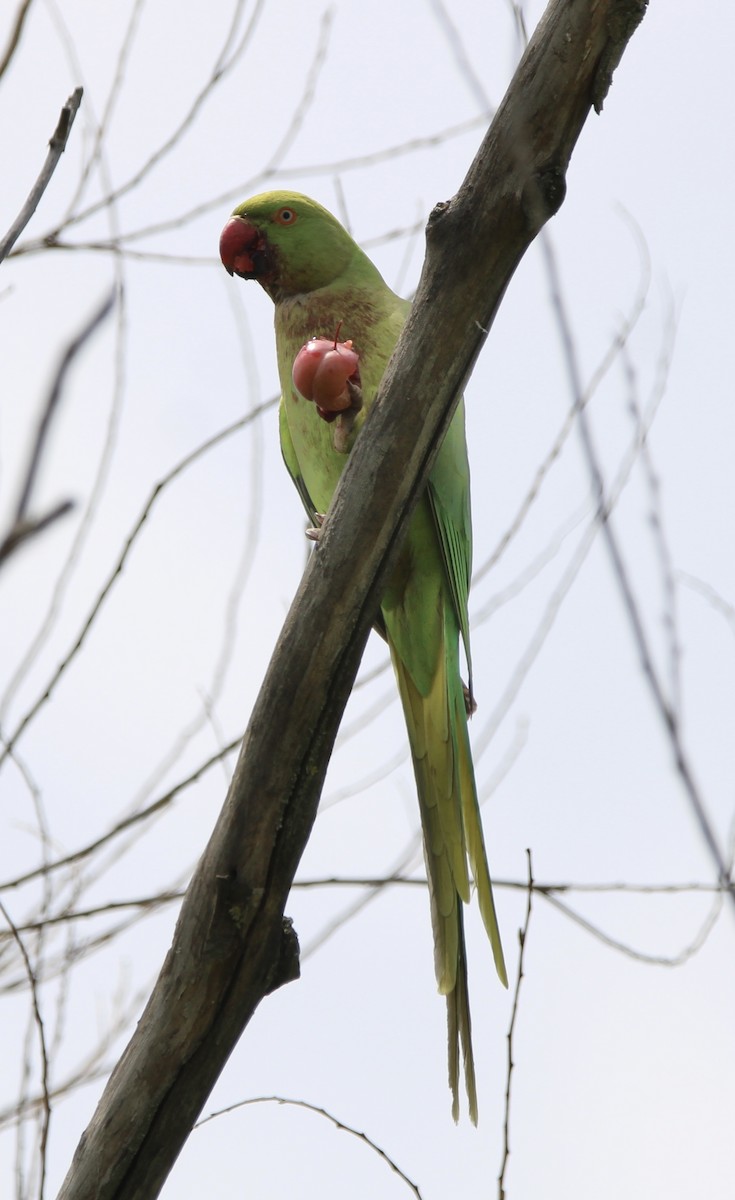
x=292, y=463
x=449, y=499
x=449, y=496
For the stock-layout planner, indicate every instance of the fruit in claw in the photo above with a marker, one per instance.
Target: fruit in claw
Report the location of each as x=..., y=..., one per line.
x=320, y=373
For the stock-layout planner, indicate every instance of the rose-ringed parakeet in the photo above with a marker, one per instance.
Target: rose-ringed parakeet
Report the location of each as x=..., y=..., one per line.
x=324, y=286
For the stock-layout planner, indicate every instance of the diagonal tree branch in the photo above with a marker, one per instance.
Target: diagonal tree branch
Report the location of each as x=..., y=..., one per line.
x=56, y=147
x=14, y=38
x=232, y=945
x=23, y=526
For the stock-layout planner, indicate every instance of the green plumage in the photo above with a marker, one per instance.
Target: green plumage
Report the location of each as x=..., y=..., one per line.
x=319, y=279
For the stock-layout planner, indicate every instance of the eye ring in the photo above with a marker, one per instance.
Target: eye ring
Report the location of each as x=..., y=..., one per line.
x=285, y=216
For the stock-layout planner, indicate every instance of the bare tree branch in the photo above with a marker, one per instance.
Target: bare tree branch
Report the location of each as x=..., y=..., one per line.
x=665, y=706
x=57, y=146
x=23, y=527
x=226, y=60
x=163, y=483
x=232, y=945
x=15, y=32
x=710, y=594
x=161, y=898
x=522, y=936
x=125, y=823
x=616, y=348
x=305, y=170
x=38, y=1019
x=320, y=1112
x=22, y=531
x=52, y=401
x=692, y=947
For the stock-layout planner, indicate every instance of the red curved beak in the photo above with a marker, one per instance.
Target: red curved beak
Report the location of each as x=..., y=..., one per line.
x=237, y=244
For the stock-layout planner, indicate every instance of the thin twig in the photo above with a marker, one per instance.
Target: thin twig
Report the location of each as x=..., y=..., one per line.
x=306, y=170
x=22, y=526
x=662, y=704
x=303, y=103
x=102, y=127
x=225, y=656
x=383, y=701
x=521, y=885
x=88, y=1071
x=531, y=570
x=357, y=786
x=655, y=960
x=23, y=531
x=46, y=1099
x=716, y=601
x=356, y=906
x=321, y=1112
x=57, y=145
x=522, y=936
x=124, y=824
x=221, y=68
x=52, y=401
x=143, y=906
x=465, y=69
x=34, y=978
x=15, y=33
x=113, y=245
x=185, y=462
x=90, y=509
x=548, y=891
x=100, y=910
x=662, y=547
x=520, y=24
x=86, y=519
x=558, y=597
x=615, y=349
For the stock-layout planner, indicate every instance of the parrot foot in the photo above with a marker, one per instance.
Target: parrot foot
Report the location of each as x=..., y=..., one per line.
x=314, y=532
x=344, y=426
x=469, y=700
x=355, y=394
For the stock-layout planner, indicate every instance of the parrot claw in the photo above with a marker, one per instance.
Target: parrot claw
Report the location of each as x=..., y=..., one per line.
x=355, y=393
x=314, y=533
x=344, y=427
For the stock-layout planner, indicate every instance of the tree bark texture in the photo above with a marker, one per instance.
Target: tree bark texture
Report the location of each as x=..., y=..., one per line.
x=232, y=944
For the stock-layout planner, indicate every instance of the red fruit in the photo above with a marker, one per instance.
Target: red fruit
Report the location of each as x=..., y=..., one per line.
x=330, y=381
x=321, y=370
x=306, y=363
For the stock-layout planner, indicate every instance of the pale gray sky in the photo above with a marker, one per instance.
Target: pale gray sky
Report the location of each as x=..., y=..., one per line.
x=623, y=1077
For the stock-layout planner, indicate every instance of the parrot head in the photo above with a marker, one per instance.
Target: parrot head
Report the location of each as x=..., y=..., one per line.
x=286, y=241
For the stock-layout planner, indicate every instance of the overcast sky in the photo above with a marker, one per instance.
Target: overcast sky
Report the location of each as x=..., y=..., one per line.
x=624, y=1062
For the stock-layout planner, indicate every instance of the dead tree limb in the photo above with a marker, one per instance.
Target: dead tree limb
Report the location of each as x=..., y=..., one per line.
x=232, y=945
x=23, y=526
x=56, y=147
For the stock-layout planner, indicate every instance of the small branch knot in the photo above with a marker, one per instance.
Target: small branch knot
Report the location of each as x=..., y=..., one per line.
x=436, y=215
x=288, y=967
x=621, y=26
x=543, y=195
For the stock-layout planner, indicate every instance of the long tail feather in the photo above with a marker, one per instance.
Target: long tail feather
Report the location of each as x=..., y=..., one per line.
x=452, y=830
x=475, y=839
x=459, y=1033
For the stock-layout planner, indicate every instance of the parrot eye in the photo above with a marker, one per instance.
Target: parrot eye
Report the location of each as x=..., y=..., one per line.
x=285, y=216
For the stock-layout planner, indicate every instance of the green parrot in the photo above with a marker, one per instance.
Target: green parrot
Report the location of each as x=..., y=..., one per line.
x=322, y=284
